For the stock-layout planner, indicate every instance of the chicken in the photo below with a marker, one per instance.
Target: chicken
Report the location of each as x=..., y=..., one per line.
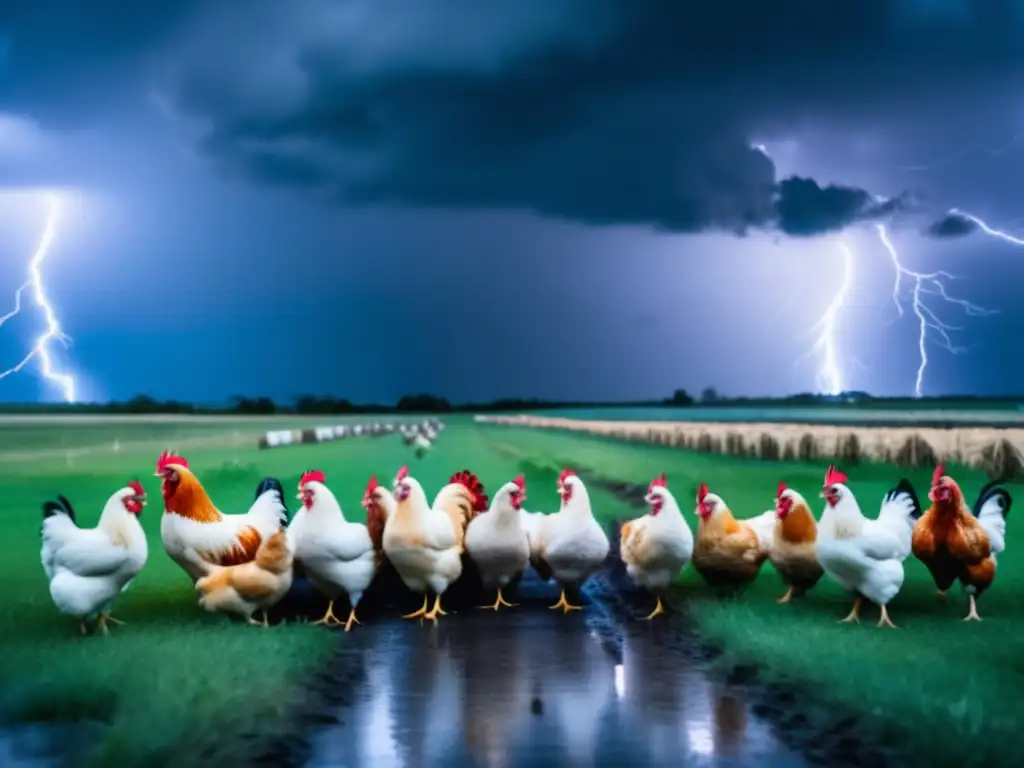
x=866, y=556
x=338, y=556
x=792, y=550
x=497, y=542
x=729, y=552
x=197, y=535
x=425, y=543
x=379, y=503
x=88, y=568
x=657, y=546
x=570, y=544
x=957, y=545
x=256, y=585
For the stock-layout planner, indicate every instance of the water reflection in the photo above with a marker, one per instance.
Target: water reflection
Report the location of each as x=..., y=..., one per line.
x=530, y=687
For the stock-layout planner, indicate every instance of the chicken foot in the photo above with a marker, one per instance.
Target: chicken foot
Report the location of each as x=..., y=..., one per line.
x=855, y=613
x=787, y=597
x=420, y=613
x=329, y=618
x=436, y=611
x=565, y=605
x=658, y=609
x=498, y=603
x=884, y=620
x=351, y=619
x=114, y=621
x=973, y=615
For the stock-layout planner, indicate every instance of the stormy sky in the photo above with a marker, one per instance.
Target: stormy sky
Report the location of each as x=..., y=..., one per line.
x=578, y=199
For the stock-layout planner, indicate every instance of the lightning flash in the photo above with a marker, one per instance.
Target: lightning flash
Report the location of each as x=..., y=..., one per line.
x=930, y=326
x=43, y=346
x=830, y=376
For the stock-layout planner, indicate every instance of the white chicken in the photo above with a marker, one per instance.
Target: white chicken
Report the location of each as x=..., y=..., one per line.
x=866, y=556
x=425, y=543
x=338, y=556
x=89, y=567
x=570, y=544
x=657, y=546
x=497, y=542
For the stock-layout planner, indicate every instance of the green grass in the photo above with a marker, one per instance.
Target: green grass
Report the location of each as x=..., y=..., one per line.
x=946, y=691
x=176, y=684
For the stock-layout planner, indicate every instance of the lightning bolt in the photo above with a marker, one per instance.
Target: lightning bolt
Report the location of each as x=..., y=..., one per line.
x=53, y=333
x=986, y=229
x=830, y=376
x=930, y=326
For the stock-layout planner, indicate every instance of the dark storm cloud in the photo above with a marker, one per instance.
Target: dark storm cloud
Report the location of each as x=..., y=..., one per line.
x=591, y=110
x=953, y=224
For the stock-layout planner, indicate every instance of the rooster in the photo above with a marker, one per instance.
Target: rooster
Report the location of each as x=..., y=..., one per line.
x=87, y=568
x=729, y=552
x=956, y=544
x=497, y=541
x=657, y=546
x=197, y=535
x=338, y=556
x=792, y=550
x=425, y=543
x=866, y=556
x=569, y=545
x=379, y=503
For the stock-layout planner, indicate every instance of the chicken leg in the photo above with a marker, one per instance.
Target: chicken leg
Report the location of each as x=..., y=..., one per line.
x=855, y=613
x=101, y=625
x=329, y=618
x=436, y=611
x=973, y=615
x=498, y=603
x=420, y=613
x=565, y=605
x=351, y=619
x=658, y=609
x=884, y=620
x=786, y=597
x=117, y=622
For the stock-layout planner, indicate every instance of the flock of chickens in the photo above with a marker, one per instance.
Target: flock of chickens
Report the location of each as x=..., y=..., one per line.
x=243, y=564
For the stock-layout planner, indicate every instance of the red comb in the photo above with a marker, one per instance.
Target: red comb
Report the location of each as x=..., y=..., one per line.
x=939, y=472
x=167, y=458
x=136, y=486
x=659, y=482
x=370, y=488
x=402, y=474
x=566, y=474
x=702, y=493
x=521, y=482
x=834, y=477
x=782, y=488
x=313, y=476
x=472, y=483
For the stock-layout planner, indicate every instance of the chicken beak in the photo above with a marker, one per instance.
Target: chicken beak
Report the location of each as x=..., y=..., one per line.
x=823, y=495
x=299, y=496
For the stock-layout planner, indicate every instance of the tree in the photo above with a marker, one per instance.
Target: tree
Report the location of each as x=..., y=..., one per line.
x=680, y=398
x=709, y=395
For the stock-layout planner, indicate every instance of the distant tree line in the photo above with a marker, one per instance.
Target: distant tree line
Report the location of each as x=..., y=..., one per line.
x=426, y=403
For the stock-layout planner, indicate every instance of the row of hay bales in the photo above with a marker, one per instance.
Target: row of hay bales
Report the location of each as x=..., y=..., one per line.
x=282, y=437
x=997, y=452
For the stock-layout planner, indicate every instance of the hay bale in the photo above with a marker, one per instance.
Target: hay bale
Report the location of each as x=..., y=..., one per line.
x=704, y=443
x=807, y=448
x=789, y=453
x=768, y=447
x=1001, y=460
x=916, y=452
x=848, y=451
x=734, y=444
x=681, y=440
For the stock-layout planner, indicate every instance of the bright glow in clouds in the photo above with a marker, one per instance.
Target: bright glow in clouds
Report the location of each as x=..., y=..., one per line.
x=43, y=345
x=830, y=377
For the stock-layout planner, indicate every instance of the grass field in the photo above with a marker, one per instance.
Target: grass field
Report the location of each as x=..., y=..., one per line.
x=178, y=686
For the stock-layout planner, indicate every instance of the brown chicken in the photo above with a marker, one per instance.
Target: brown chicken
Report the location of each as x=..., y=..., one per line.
x=729, y=552
x=958, y=544
x=257, y=585
x=792, y=549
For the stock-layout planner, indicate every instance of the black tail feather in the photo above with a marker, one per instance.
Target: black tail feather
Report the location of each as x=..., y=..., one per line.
x=67, y=506
x=273, y=484
x=904, y=486
x=989, y=490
